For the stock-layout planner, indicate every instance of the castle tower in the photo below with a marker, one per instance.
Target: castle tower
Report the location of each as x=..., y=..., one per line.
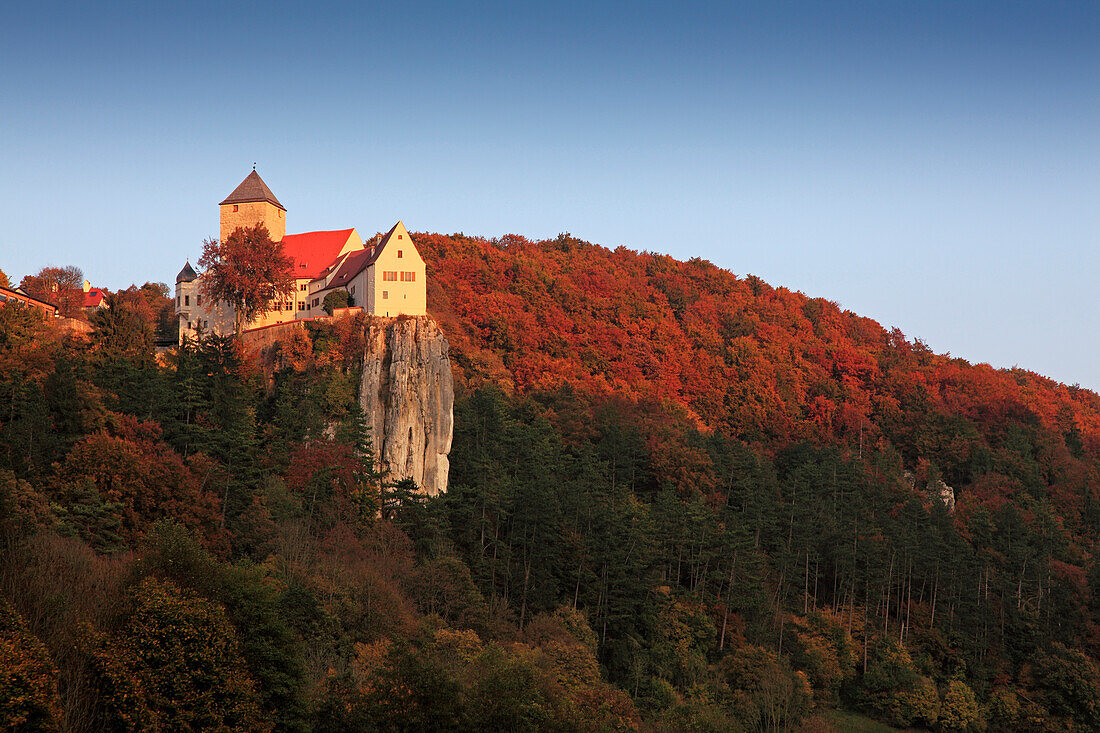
x=252, y=203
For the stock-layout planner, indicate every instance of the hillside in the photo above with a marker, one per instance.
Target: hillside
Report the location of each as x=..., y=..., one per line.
x=759, y=364
x=680, y=500
x=812, y=429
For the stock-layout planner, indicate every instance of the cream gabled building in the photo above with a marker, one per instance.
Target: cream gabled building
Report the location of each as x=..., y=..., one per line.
x=385, y=279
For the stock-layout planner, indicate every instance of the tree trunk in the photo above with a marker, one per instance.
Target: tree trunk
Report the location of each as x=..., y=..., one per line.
x=806, y=586
x=729, y=593
x=889, y=593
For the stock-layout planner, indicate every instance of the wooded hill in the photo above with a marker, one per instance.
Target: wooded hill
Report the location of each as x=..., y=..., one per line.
x=680, y=500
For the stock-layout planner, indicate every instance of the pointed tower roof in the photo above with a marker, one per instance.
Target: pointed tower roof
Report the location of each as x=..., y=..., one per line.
x=187, y=274
x=252, y=188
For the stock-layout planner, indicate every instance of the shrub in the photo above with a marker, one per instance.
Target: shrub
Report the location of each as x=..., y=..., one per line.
x=176, y=665
x=764, y=690
x=959, y=710
x=826, y=652
x=1070, y=685
x=28, y=679
x=337, y=299
x=892, y=690
x=1002, y=710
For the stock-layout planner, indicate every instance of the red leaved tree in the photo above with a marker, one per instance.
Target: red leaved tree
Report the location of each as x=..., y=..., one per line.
x=248, y=271
x=62, y=286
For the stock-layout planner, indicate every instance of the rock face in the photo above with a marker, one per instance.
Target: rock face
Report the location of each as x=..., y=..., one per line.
x=944, y=493
x=938, y=491
x=407, y=396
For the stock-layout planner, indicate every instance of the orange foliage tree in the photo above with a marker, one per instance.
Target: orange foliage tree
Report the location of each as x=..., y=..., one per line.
x=247, y=271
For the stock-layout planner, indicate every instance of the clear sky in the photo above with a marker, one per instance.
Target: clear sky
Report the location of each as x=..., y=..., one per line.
x=933, y=165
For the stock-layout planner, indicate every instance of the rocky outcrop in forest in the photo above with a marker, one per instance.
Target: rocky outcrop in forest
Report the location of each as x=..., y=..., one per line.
x=407, y=395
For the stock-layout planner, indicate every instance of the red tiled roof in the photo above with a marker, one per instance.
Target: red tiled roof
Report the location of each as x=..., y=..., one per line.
x=313, y=252
x=93, y=298
x=328, y=270
x=356, y=262
x=353, y=264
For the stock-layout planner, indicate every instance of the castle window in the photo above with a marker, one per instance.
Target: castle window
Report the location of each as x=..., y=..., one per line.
x=189, y=325
x=353, y=290
x=400, y=236
x=235, y=207
x=302, y=287
x=177, y=301
x=301, y=305
x=400, y=254
x=206, y=324
x=198, y=300
x=389, y=275
x=408, y=277
x=385, y=295
x=187, y=300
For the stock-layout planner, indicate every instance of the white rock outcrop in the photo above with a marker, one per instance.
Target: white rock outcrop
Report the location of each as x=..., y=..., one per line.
x=938, y=491
x=407, y=396
x=944, y=493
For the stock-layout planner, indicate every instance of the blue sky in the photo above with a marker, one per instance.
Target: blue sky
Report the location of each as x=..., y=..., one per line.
x=933, y=165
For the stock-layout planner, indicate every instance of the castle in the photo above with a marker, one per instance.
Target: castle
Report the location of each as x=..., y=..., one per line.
x=385, y=278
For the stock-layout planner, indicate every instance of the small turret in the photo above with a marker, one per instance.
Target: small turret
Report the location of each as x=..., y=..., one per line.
x=187, y=274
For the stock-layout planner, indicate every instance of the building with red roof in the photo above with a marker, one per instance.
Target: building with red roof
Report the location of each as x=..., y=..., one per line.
x=389, y=277
x=385, y=279
x=314, y=252
x=93, y=298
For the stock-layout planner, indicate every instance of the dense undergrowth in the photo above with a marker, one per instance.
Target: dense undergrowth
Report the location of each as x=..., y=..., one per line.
x=680, y=500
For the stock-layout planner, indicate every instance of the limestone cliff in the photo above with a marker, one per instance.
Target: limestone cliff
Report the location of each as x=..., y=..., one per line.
x=407, y=396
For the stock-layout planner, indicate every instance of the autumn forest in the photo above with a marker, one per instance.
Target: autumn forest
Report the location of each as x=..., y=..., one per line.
x=679, y=500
